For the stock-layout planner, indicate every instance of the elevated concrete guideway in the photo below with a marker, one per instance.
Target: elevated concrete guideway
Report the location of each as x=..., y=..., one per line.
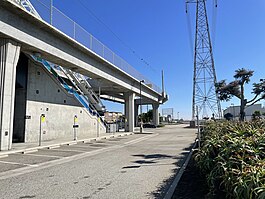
x=36, y=36
x=21, y=31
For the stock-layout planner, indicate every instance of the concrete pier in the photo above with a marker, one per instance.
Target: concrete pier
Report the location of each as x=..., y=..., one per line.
x=9, y=54
x=155, y=114
x=129, y=111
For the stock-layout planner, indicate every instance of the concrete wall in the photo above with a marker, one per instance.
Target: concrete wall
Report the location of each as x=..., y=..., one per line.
x=46, y=96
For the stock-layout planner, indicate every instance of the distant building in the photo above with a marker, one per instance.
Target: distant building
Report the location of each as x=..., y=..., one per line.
x=168, y=113
x=167, y=119
x=112, y=117
x=235, y=111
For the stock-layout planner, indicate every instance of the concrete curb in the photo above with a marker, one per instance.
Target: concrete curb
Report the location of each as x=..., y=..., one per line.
x=71, y=144
x=54, y=146
x=29, y=151
x=174, y=184
x=57, y=145
x=3, y=156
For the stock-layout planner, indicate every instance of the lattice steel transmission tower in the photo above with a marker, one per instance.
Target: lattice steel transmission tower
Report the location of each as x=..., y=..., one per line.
x=204, y=79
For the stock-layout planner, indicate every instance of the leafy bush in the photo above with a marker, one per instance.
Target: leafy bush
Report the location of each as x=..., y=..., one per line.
x=232, y=157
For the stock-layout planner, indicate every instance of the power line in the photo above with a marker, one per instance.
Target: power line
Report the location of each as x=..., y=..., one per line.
x=189, y=32
x=117, y=37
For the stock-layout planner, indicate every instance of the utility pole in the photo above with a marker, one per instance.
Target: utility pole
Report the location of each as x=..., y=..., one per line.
x=141, y=110
x=163, y=85
x=204, y=77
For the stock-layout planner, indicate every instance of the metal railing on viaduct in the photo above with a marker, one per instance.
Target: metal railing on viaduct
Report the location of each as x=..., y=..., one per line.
x=49, y=13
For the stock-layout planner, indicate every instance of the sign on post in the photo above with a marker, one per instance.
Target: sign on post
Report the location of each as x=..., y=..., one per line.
x=75, y=126
x=42, y=120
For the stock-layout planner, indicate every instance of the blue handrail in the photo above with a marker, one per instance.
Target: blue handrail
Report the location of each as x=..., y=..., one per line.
x=82, y=99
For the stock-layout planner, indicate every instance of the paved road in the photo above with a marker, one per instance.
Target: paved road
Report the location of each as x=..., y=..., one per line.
x=136, y=166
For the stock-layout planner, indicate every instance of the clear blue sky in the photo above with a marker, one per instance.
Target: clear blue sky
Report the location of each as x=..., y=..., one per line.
x=157, y=31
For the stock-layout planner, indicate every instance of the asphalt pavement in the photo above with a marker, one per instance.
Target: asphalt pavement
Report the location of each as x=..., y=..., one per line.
x=134, y=166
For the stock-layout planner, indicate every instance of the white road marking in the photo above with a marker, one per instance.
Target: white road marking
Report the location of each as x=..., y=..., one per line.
x=44, y=165
x=140, y=139
x=66, y=150
x=17, y=163
x=88, y=146
x=39, y=155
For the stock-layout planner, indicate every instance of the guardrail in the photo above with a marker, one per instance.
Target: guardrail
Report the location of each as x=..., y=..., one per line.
x=59, y=20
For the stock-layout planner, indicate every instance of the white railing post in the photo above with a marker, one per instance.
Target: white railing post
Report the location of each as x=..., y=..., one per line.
x=51, y=12
x=90, y=41
x=104, y=51
x=74, y=30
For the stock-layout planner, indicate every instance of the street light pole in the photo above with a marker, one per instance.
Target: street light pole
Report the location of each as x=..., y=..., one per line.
x=141, y=110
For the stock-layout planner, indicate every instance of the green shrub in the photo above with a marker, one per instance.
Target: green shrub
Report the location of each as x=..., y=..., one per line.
x=232, y=157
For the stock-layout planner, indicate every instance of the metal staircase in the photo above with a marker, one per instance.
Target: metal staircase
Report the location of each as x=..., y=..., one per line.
x=51, y=68
x=80, y=81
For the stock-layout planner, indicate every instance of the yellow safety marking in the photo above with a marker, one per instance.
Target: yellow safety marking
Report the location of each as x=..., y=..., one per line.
x=42, y=118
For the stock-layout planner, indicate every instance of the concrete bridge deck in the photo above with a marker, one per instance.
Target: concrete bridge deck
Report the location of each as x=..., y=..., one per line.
x=36, y=36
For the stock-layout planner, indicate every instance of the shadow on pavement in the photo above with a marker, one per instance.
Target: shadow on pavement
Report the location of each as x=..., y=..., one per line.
x=153, y=160
x=144, y=161
x=149, y=159
x=154, y=156
x=131, y=167
x=164, y=186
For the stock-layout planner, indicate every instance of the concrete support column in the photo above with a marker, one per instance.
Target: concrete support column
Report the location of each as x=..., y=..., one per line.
x=129, y=112
x=9, y=54
x=155, y=114
x=136, y=112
